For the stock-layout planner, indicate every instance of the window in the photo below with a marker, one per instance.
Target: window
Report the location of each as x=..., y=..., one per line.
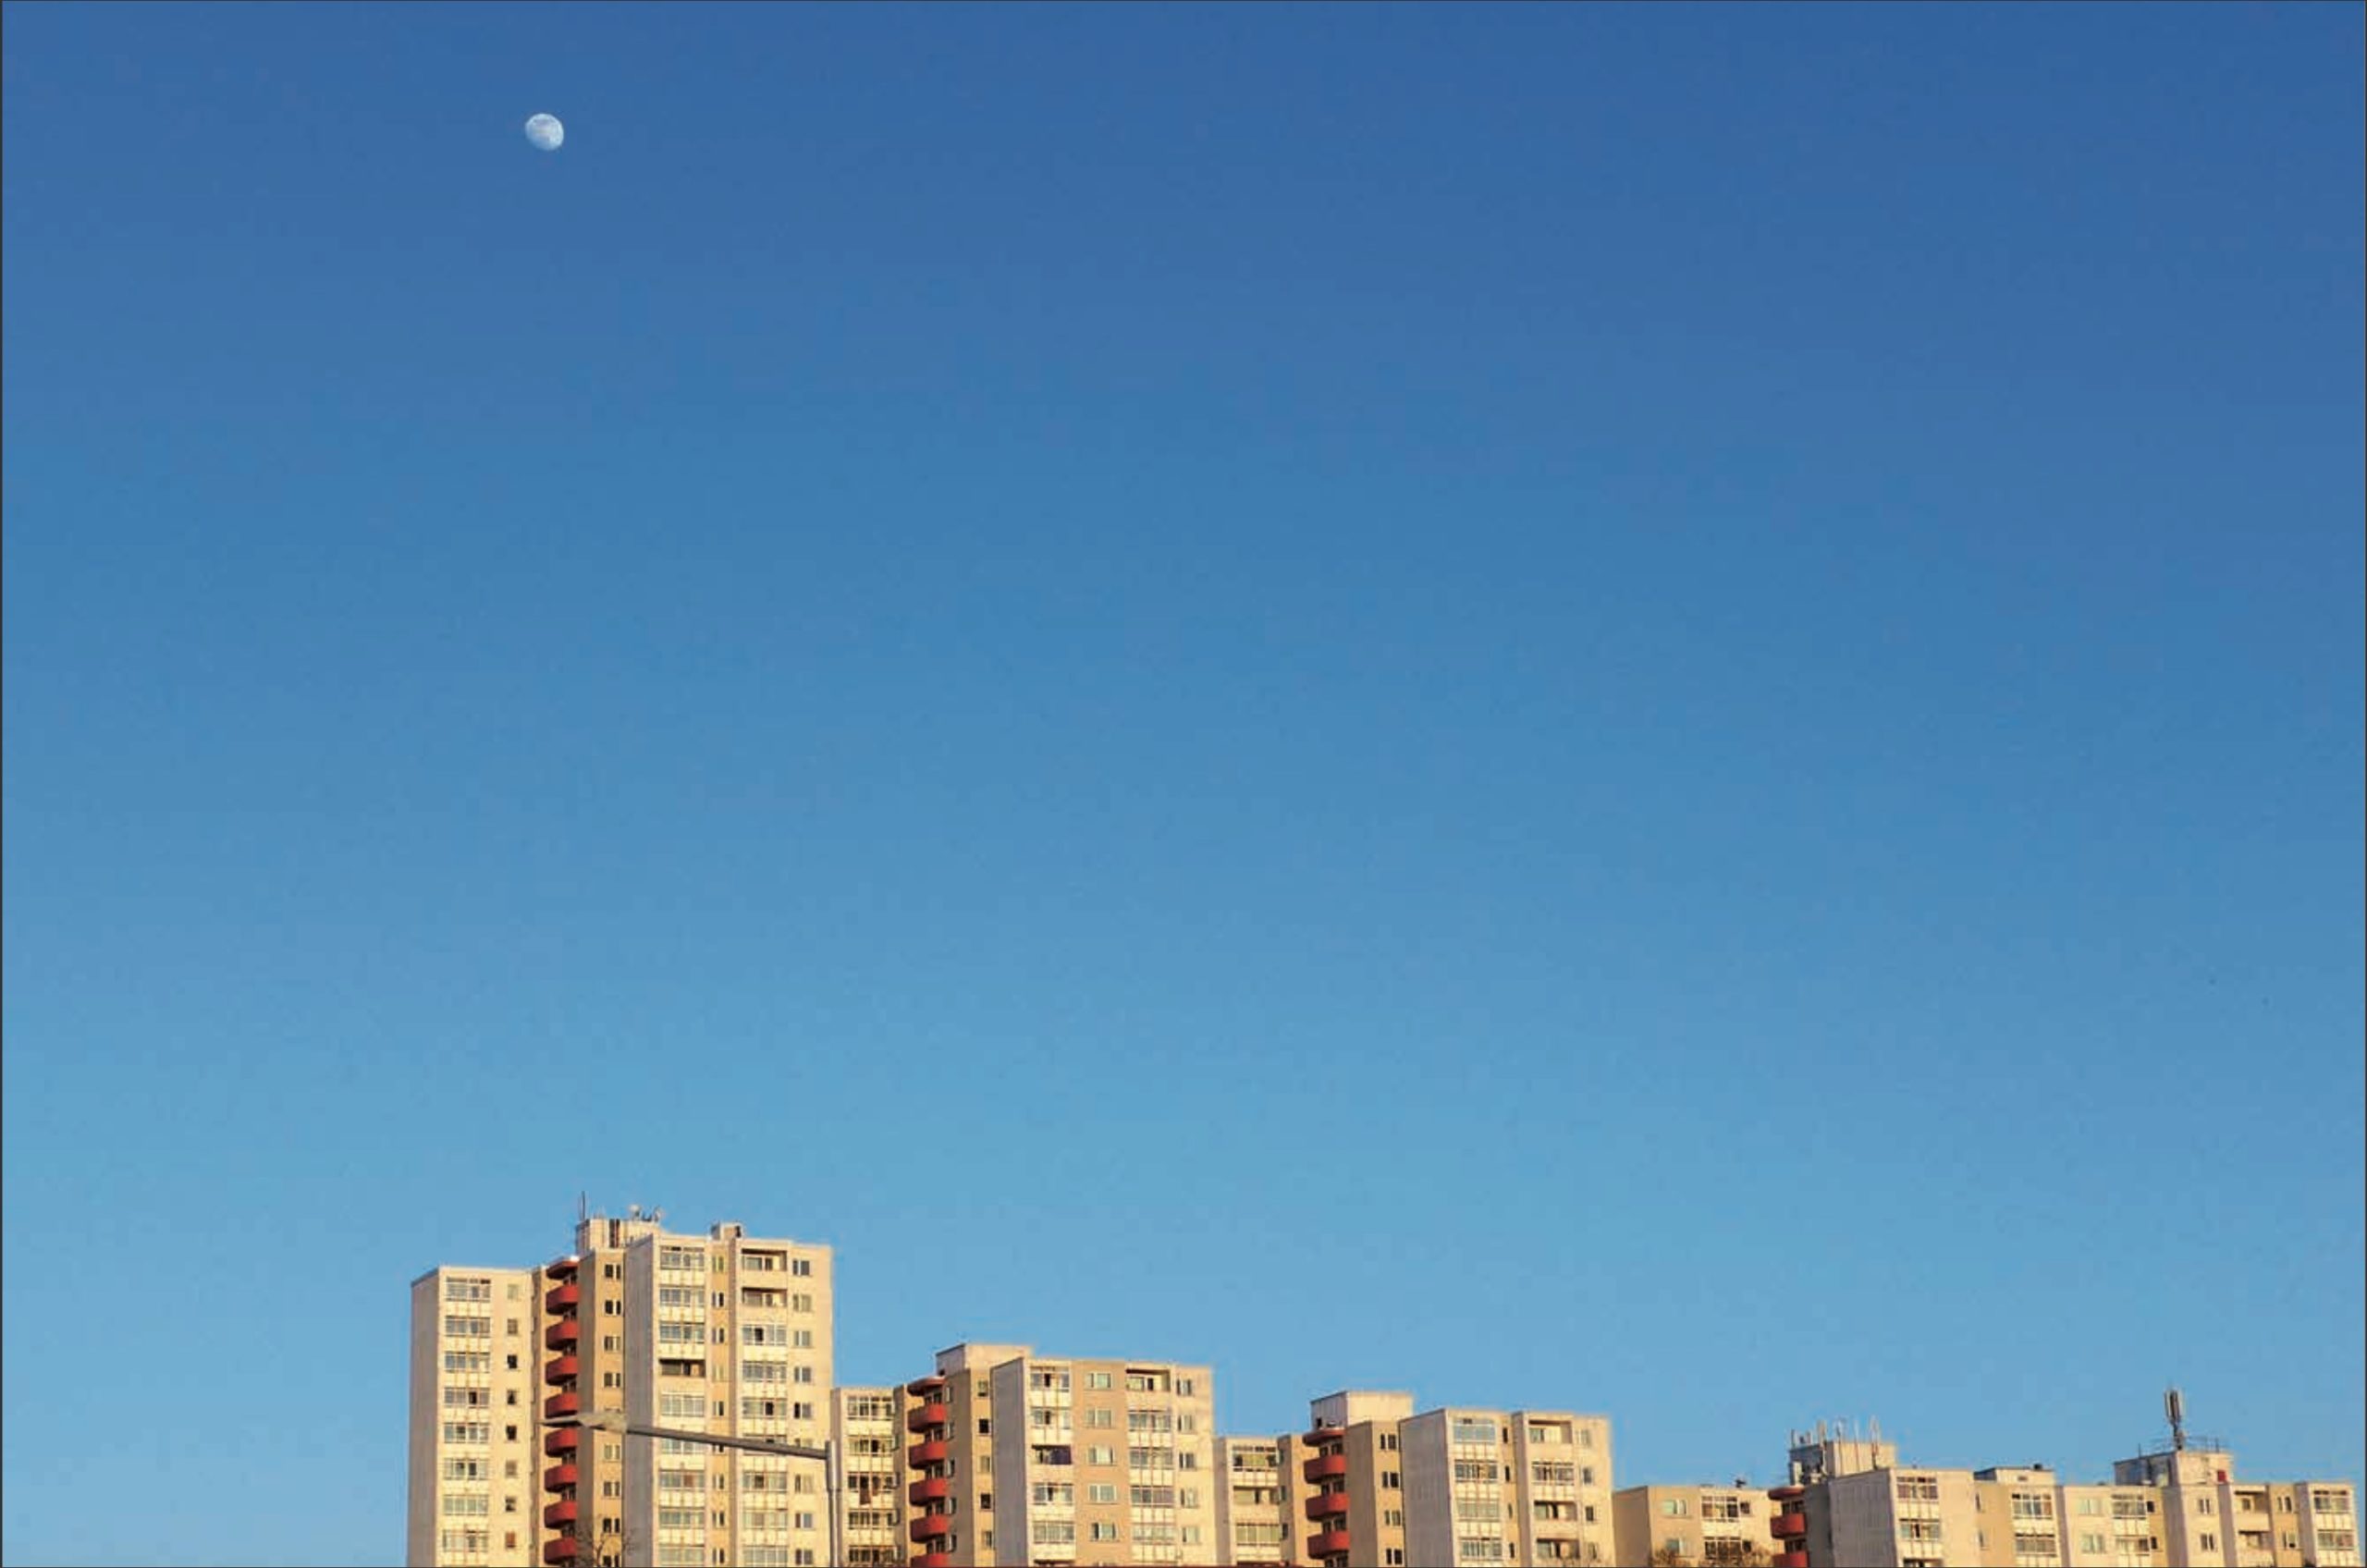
x=2209, y=1541
x=1097, y=1379
x=1101, y=1417
x=1586, y=1475
x=1472, y=1429
x=2205, y=1507
x=1394, y=1516
x=1186, y=1388
x=1918, y=1530
x=1107, y=1533
x=1389, y=1442
x=468, y=1290
x=458, y=1328
x=1098, y=1455
x=1479, y=1548
x=1101, y=1491
x=1389, y=1481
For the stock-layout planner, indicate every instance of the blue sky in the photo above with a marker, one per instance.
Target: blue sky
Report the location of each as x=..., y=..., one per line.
x=1654, y=710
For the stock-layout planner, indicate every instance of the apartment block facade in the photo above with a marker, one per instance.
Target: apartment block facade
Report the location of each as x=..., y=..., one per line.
x=1852, y=1505
x=719, y=1333
x=1715, y=1526
x=473, y=1448
x=1253, y=1501
x=1020, y=1458
x=864, y=1427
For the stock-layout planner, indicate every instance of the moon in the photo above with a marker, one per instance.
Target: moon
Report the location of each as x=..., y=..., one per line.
x=545, y=133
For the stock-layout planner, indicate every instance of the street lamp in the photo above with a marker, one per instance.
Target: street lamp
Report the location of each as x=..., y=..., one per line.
x=615, y=1421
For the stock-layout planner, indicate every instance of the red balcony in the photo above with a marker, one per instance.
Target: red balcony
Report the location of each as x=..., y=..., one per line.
x=560, y=1550
x=1792, y=1560
x=562, y=1298
x=563, y=1332
x=561, y=1370
x=1785, y=1494
x=1788, y=1524
x=1327, y=1505
x=928, y=1526
x=558, y=1477
x=563, y=1267
x=1325, y=1467
x=559, y=1515
x=1323, y=1435
x=935, y=1414
x=925, y=1385
x=561, y=1405
x=562, y=1441
x=1330, y=1543
x=931, y=1489
x=934, y=1560
x=937, y=1450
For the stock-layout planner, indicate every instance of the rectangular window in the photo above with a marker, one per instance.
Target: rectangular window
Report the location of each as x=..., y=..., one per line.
x=1472, y=1429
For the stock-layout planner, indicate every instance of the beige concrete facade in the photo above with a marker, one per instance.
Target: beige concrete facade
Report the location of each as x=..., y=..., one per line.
x=1253, y=1501
x=865, y=1428
x=1508, y=1487
x=1020, y=1458
x=1350, y=1464
x=474, y=1484
x=1852, y=1505
x=1692, y=1525
x=722, y=1333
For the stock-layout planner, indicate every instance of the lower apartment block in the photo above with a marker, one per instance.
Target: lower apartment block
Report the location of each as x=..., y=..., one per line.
x=1851, y=1504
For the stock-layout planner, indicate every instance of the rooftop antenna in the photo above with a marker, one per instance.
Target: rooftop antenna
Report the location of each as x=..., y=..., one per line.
x=2174, y=1405
x=582, y=1206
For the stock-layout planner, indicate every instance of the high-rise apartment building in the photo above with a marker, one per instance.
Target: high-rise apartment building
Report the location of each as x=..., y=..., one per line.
x=1485, y=1487
x=1021, y=1459
x=1370, y=1483
x=474, y=1475
x=723, y=1334
x=1353, y=1511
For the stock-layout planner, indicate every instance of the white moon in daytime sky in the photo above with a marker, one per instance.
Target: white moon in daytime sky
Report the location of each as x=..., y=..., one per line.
x=545, y=131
